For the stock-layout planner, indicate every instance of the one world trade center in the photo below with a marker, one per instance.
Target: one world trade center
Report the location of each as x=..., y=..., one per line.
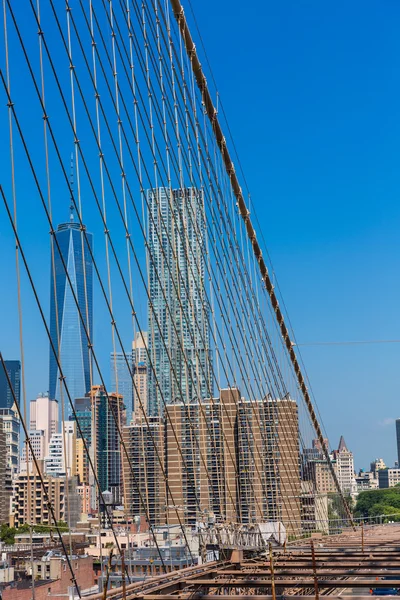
x=71, y=311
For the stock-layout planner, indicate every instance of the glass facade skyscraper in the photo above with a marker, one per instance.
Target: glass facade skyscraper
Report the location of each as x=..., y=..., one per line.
x=178, y=318
x=67, y=332
x=129, y=375
x=13, y=368
x=121, y=379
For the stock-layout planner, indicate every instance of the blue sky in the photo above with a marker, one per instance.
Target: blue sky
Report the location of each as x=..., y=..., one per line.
x=311, y=93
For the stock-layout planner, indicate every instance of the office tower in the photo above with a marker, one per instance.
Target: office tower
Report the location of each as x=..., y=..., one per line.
x=140, y=391
x=398, y=439
x=43, y=417
x=61, y=458
x=129, y=375
x=121, y=379
x=107, y=412
x=13, y=368
x=143, y=473
x=83, y=414
x=70, y=251
x=344, y=467
x=177, y=313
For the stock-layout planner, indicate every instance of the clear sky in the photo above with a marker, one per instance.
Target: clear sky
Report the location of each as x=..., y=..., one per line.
x=311, y=90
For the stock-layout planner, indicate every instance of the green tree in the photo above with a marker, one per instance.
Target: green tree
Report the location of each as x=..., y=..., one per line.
x=372, y=503
x=7, y=534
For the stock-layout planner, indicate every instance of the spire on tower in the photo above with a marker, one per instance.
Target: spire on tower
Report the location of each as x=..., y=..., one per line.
x=71, y=183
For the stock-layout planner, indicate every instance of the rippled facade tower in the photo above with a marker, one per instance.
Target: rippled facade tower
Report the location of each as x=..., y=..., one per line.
x=178, y=317
x=67, y=331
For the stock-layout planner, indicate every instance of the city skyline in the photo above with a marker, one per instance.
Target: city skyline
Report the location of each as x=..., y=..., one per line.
x=219, y=344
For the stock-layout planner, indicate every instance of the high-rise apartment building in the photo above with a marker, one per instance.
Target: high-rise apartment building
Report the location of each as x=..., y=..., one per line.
x=11, y=425
x=178, y=324
x=30, y=501
x=108, y=414
x=144, y=480
x=61, y=457
x=43, y=416
x=235, y=458
x=269, y=461
x=140, y=389
x=198, y=479
x=37, y=439
x=13, y=368
x=289, y=464
x=4, y=494
x=71, y=252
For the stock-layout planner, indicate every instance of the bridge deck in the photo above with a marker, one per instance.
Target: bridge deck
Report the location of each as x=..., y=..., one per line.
x=308, y=569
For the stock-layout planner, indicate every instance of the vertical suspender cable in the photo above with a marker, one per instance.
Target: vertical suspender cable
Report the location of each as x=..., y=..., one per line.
x=244, y=212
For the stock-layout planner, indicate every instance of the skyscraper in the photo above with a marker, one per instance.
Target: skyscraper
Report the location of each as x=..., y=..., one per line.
x=70, y=250
x=83, y=414
x=143, y=469
x=121, y=379
x=13, y=368
x=44, y=417
x=178, y=313
x=129, y=375
x=344, y=466
x=61, y=457
x=105, y=440
x=398, y=439
x=139, y=354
